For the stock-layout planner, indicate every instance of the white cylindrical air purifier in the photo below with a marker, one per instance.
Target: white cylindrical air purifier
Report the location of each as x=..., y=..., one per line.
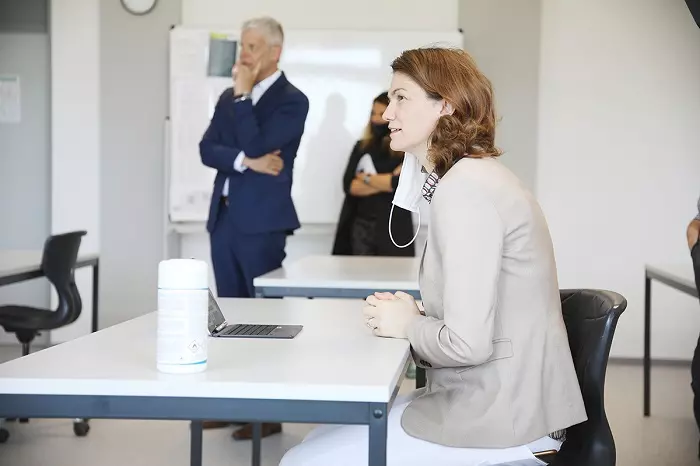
x=183, y=299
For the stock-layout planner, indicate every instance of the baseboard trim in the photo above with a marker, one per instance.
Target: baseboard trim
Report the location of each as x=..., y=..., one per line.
x=654, y=362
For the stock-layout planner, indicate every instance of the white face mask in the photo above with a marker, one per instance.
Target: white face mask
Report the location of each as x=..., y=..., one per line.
x=408, y=192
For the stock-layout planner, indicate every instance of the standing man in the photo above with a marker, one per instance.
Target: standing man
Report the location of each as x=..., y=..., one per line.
x=252, y=141
x=694, y=246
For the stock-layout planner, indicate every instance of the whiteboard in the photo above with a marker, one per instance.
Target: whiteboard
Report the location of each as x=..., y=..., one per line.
x=339, y=71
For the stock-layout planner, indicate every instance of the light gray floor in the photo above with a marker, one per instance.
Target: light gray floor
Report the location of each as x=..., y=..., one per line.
x=669, y=437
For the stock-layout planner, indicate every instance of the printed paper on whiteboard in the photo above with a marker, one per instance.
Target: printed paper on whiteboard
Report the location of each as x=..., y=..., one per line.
x=10, y=103
x=222, y=55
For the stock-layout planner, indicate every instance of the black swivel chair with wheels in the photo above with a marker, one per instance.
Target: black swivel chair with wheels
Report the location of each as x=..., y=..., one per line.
x=590, y=317
x=58, y=265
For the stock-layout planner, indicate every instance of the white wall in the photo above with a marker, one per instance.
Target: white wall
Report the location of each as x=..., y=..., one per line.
x=503, y=36
x=133, y=61
x=381, y=15
x=75, y=126
x=25, y=159
x=357, y=15
x=618, y=172
x=109, y=88
x=24, y=147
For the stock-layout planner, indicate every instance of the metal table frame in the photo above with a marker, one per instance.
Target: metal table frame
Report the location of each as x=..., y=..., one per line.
x=268, y=291
x=653, y=273
x=374, y=415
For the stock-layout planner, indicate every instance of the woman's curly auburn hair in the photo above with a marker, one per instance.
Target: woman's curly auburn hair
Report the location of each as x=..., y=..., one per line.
x=452, y=74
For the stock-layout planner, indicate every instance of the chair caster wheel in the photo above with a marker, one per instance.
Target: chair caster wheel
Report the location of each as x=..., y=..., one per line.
x=81, y=428
x=4, y=435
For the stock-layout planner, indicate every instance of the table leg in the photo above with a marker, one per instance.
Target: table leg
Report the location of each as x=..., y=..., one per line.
x=257, y=437
x=647, y=345
x=196, y=443
x=420, y=377
x=95, y=295
x=378, y=433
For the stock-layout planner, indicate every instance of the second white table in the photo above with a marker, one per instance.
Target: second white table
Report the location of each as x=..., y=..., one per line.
x=340, y=277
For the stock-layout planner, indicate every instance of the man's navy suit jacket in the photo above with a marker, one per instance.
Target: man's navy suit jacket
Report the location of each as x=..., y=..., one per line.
x=257, y=202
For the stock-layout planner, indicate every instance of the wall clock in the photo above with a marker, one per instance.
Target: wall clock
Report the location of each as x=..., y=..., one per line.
x=139, y=7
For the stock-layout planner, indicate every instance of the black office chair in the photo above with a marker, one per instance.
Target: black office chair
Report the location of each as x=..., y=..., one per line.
x=590, y=317
x=58, y=265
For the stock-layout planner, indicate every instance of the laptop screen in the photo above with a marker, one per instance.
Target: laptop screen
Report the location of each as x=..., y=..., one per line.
x=216, y=317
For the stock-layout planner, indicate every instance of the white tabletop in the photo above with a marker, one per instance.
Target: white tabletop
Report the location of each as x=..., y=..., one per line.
x=346, y=272
x=681, y=273
x=16, y=262
x=334, y=358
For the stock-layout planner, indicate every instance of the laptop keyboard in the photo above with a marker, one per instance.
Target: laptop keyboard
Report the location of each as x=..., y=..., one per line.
x=249, y=330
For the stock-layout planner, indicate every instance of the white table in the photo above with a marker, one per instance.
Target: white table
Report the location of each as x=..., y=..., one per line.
x=19, y=265
x=356, y=277
x=112, y=374
x=677, y=276
x=340, y=277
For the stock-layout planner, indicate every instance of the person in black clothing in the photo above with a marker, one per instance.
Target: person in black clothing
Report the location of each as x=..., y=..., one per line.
x=364, y=217
x=692, y=234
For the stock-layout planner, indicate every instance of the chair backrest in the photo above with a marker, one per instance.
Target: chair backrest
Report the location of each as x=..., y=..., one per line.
x=590, y=317
x=58, y=264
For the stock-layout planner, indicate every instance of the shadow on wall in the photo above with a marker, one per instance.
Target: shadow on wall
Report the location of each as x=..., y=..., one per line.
x=319, y=179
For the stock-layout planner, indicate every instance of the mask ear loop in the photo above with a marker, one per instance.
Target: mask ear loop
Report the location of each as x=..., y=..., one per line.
x=391, y=214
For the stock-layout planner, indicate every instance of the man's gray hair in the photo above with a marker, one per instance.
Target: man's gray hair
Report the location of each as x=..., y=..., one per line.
x=271, y=29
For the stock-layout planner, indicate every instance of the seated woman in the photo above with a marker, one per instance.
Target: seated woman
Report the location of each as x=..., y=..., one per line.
x=370, y=178
x=491, y=337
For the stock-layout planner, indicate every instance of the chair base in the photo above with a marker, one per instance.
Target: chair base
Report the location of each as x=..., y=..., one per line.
x=4, y=433
x=81, y=427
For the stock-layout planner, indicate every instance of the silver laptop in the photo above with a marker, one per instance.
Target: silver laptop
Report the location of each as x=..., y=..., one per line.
x=219, y=328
